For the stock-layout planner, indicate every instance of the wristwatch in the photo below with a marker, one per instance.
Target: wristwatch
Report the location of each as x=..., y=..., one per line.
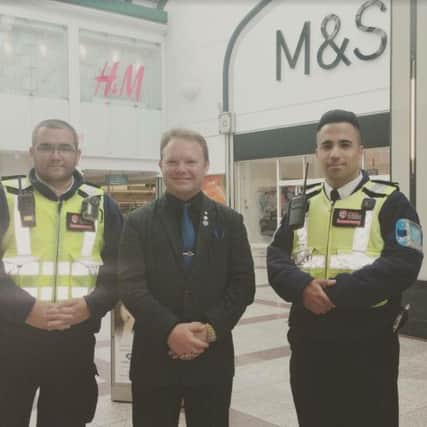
x=211, y=333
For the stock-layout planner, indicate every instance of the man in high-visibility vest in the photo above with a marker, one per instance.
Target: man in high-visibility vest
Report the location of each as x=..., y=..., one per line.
x=58, y=239
x=344, y=264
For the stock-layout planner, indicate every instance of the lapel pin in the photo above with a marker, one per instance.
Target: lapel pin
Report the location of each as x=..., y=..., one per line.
x=205, y=221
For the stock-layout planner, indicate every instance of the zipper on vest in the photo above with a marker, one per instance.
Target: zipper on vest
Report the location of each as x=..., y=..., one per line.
x=58, y=236
x=331, y=210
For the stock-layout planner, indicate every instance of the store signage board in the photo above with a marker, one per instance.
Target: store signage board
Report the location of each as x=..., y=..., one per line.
x=304, y=58
x=330, y=28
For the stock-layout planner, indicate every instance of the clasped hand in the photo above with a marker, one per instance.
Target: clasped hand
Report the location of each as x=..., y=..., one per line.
x=188, y=340
x=315, y=298
x=58, y=316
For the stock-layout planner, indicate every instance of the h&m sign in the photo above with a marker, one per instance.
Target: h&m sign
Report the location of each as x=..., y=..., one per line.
x=339, y=50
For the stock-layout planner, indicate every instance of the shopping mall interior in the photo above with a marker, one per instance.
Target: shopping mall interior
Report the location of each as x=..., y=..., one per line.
x=253, y=77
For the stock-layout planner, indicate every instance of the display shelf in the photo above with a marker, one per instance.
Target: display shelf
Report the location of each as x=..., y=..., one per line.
x=130, y=197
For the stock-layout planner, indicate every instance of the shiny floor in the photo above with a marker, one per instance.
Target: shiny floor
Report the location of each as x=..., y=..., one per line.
x=261, y=394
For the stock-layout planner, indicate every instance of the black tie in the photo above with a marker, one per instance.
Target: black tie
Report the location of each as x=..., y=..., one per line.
x=188, y=235
x=334, y=195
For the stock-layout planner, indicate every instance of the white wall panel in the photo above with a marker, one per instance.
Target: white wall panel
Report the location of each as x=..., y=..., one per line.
x=216, y=146
x=94, y=119
x=148, y=134
x=122, y=125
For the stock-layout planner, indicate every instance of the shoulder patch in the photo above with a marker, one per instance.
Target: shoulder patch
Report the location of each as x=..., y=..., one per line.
x=409, y=234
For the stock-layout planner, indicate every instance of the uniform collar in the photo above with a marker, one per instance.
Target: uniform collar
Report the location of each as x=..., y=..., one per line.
x=47, y=192
x=346, y=189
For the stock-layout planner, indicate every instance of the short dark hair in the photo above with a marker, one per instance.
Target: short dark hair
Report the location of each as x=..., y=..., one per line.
x=54, y=124
x=184, y=134
x=338, y=116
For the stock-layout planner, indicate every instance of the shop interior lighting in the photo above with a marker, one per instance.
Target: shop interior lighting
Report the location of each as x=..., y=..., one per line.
x=115, y=56
x=83, y=51
x=7, y=46
x=43, y=49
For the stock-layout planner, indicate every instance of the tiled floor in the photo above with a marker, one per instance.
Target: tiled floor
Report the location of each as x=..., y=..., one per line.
x=261, y=393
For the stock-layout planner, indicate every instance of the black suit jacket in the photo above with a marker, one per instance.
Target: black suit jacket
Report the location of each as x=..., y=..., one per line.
x=160, y=292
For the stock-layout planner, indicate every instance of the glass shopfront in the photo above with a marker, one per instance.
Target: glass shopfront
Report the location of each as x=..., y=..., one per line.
x=33, y=58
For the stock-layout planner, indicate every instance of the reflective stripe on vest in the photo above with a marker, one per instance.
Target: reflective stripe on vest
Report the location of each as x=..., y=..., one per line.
x=324, y=250
x=37, y=260
x=23, y=240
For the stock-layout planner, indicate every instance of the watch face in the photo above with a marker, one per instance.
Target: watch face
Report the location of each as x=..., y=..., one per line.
x=211, y=333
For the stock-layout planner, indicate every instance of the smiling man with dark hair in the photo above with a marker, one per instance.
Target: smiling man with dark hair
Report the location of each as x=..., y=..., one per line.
x=344, y=270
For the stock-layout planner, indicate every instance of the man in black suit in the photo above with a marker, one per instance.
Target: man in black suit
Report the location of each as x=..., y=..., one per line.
x=187, y=275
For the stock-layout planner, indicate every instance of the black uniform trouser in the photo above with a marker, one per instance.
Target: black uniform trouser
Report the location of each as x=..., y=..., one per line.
x=345, y=384
x=205, y=405
x=60, y=367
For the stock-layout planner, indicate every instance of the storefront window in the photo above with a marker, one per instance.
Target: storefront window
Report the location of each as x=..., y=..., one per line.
x=33, y=58
x=291, y=167
x=258, y=198
x=121, y=70
x=377, y=161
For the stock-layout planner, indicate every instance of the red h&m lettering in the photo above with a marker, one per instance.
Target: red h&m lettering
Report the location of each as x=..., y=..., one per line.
x=128, y=87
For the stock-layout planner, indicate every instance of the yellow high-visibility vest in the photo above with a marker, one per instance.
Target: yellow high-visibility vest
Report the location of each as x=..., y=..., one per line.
x=323, y=249
x=51, y=260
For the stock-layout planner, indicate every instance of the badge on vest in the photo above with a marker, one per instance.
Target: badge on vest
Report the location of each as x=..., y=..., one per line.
x=348, y=218
x=75, y=222
x=409, y=234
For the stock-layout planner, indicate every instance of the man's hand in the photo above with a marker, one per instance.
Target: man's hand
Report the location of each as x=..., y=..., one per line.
x=188, y=340
x=202, y=334
x=315, y=299
x=45, y=315
x=76, y=309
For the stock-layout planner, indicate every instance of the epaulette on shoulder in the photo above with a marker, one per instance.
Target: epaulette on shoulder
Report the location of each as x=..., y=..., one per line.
x=88, y=189
x=313, y=189
x=11, y=183
x=92, y=184
x=379, y=188
x=384, y=182
x=10, y=177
